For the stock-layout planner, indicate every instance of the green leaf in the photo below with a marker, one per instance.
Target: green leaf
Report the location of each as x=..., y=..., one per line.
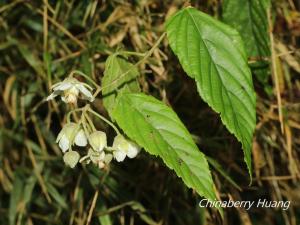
x=31, y=59
x=104, y=219
x=250, y=18
x=212, y=53
x=60, y=200
x=142, y=212
x=15, y=198
x=119, y=77
x=20, y=195
x=28, y=189
x=157, y=128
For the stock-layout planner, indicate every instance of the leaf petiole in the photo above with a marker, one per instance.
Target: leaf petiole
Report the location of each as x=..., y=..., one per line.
x=85, y=76
x=104, y=119
x=146, y=56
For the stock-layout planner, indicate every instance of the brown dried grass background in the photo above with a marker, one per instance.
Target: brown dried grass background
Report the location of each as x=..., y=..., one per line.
x=42, y=41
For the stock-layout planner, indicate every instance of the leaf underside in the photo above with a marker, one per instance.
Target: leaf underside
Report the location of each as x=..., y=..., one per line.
x=157, y=128
x=213, y=54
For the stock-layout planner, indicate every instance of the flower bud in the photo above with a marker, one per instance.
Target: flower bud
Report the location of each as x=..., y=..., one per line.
x=71, y=158
x=120, y=145
x=98, y=141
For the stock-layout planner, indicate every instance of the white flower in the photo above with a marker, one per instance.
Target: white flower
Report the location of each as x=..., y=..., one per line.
x=123, y=148
x=70, y=133
x=98, y=140
x=70, y=88
x=71, y=158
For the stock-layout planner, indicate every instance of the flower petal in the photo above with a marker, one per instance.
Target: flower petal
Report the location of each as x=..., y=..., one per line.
x=63, y=86
x=80, y=139
x=102, y=155
x=108, y=157
x=64, y=99
x=64, y=143
x=119, y=155
x=52, y=96
x=120, y=143
x=55, y=85
x=87, y=94
x=132, y=150
x=59, y=136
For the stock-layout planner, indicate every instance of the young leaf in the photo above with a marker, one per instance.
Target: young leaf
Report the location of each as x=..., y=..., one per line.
x=212, y=53
x=156, y=128
x=249, y=17
x=119, y=76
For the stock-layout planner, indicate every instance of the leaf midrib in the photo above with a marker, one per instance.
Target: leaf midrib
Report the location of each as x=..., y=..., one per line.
x=162, y=137
x=236, y=125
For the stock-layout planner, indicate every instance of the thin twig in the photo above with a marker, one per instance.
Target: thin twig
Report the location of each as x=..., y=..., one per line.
x=64, y=30
x=92, y=207
x=37, y=173
x=274, y=70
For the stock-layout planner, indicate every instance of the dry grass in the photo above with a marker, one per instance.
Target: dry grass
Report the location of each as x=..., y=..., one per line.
x=42, y=41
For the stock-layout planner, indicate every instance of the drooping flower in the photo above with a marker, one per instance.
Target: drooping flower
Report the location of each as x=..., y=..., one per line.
x=80, y=138
x=70, y=89
x=70, y=133
x=123, y=147
x=71, y=158
x=98, y=140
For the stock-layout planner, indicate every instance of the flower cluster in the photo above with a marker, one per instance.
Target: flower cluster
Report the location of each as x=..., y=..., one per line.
x=83, y=133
